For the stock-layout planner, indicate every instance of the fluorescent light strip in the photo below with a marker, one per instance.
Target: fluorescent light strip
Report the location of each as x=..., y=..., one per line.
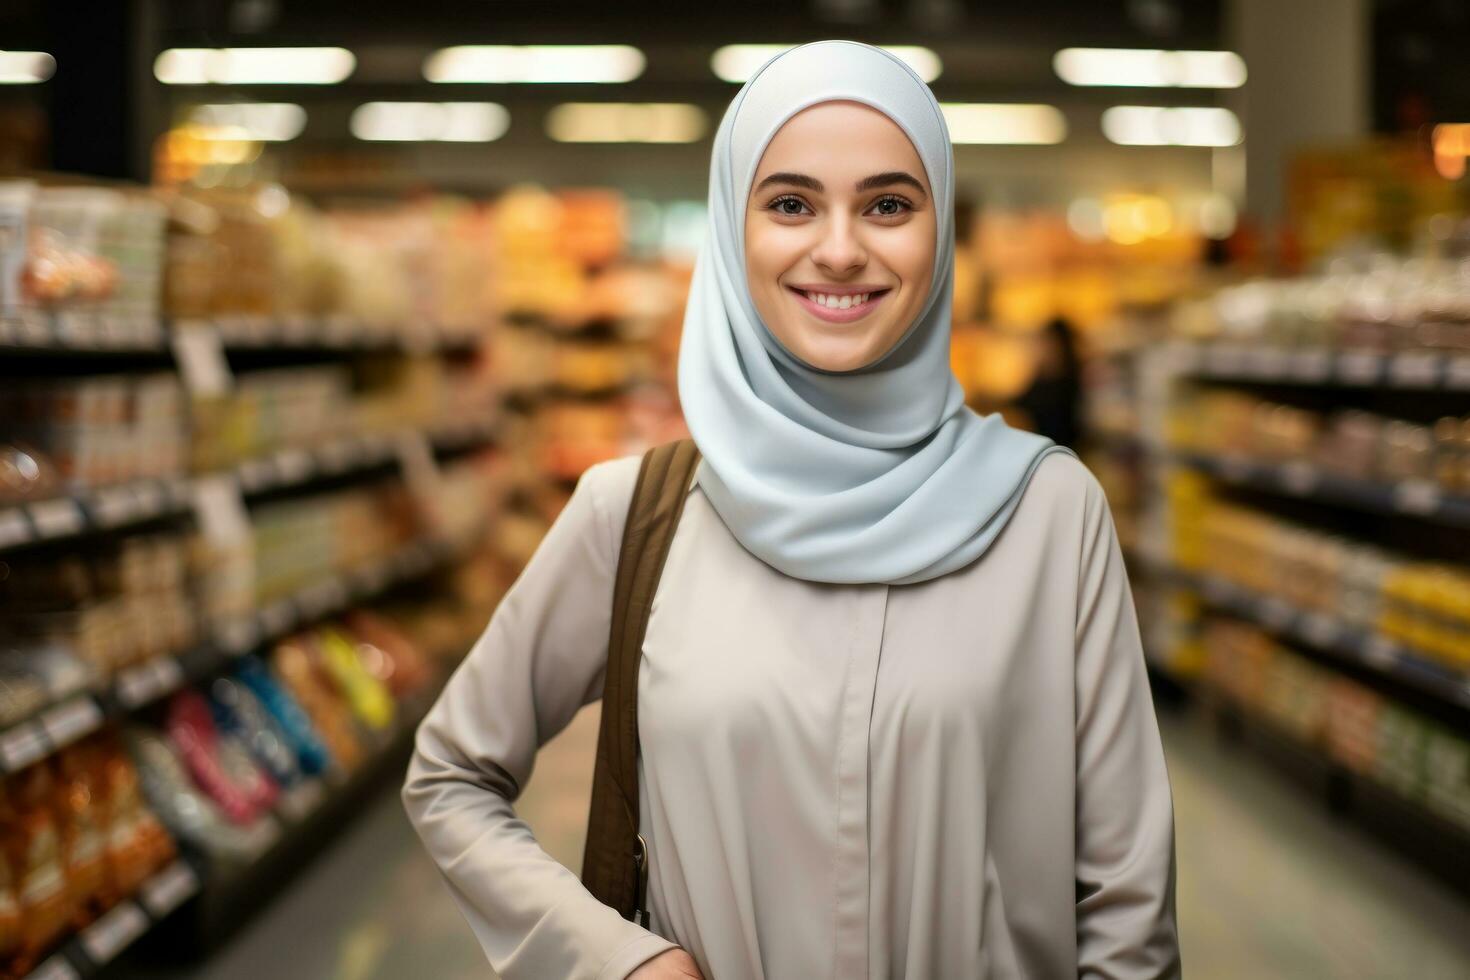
x=535, y=63
x=1004, y=123
x=1148, y=68
x=625, y=122
x=254, y=66
x=737, y=62
x=420, y=122
x=1142, y=125
x=25, y=67
x=269, y=122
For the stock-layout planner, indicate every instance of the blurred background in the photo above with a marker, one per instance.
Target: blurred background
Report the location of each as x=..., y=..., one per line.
x=311, y=314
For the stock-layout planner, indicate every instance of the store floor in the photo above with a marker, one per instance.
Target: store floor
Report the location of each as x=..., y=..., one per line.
x=1270, y=885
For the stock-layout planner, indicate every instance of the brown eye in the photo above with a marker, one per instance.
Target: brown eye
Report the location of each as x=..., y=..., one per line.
x=788, y=206
x=892, y=207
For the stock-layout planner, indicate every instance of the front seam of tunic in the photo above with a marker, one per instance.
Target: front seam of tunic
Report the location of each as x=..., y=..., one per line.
x=850, y=959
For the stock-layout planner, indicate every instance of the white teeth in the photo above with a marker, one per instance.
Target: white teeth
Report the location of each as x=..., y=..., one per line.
x=846, y=302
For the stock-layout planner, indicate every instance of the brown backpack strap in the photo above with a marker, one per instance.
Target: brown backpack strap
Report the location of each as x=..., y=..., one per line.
x=614, y=864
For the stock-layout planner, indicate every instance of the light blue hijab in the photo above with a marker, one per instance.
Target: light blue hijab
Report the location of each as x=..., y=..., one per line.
x=882, y=474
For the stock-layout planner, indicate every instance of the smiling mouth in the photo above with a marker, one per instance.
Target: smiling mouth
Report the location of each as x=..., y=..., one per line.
x=832, y=309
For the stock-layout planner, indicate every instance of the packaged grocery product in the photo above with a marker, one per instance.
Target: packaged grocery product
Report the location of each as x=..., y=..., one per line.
x=330, y=717
x=191, y=815
x=241, y=791
x=34, y=846
x=388, y=653
x=83, y=827
x=365, y=694
x=10, y=910
x=310, y=753
x=137, y=844
x=239, y=713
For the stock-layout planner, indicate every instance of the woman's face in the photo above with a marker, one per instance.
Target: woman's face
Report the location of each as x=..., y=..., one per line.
x=839, y=235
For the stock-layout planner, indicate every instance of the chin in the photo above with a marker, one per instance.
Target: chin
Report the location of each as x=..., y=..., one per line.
x=838, y=354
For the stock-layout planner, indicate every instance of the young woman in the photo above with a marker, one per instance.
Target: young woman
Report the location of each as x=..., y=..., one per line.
x=892, y=705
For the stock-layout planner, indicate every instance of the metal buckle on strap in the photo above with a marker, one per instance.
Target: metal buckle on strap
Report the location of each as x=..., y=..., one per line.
x=640, y=893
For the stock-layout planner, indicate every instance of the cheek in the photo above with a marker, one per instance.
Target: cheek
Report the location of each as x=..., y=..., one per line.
x=911, y=255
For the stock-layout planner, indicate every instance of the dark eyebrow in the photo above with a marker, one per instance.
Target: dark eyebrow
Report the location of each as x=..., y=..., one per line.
x=867, y=183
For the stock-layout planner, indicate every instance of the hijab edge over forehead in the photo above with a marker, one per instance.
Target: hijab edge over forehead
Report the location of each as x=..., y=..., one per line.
x=875, y=475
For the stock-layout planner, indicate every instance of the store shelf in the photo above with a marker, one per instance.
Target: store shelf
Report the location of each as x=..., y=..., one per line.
x=128, y=504
x=79, y=331
x=94, y=947
x=1422, y=369
x=89, y=511
x=1333, y=636
x=78, y=714
x=1409, y=825
x=85, y=332
x=1417, y=498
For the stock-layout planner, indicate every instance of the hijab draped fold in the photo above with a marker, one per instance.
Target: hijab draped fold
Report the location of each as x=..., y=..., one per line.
x=880, y=475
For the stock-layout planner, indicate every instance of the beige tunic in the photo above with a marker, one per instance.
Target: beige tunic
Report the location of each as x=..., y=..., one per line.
x=959, y=778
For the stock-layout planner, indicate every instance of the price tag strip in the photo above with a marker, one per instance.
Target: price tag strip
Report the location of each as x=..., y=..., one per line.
x=302, y=800
x=1416, y=496
x=278, y=618
x=1457, y=372
x=146, y=682
x=1311, y=365
x=1359, y=367
x=70, y=720
x=15, y=527
x=55, y=968
x=113, y=506
x=57, y=518
x=1299, y=477
x=1417, y=369
x=23, y=744
x=169, y=889
x=294, y=465
x=114, y=932
x=322, y=598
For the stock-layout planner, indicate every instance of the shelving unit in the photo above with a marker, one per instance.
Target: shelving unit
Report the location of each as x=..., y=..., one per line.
x=1176, y=602
x=1414, y=369
x=84, y=333
x=1410, y=498
x=116, y=507
x=311, y=813
x=1331, y=635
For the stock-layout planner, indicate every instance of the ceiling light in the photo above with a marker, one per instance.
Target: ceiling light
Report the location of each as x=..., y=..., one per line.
x=272, y=122
x=254, y=66
x=1146, y=68
x=25, y=67
x=451, y=122
x=998, y=122
x=737, y=62
x=572, y=63
x=1141, y=125
x=625, y=122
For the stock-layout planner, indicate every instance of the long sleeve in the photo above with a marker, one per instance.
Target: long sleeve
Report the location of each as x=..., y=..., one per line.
x=1125, y=820
x=541, y=658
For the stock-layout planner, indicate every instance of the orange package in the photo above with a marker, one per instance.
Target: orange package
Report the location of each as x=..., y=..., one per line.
x=32, y=842
x=297, y=669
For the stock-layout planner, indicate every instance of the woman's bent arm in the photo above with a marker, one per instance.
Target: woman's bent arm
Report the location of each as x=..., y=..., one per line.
x=541, y=658
x=1125, y=817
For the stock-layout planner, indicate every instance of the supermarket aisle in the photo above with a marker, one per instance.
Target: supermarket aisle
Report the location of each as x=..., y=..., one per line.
x=1268, y=886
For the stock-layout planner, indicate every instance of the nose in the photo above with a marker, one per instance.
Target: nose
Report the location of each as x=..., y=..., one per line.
x=840, y=252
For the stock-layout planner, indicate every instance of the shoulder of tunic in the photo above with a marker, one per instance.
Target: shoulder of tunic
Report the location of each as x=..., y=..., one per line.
x=1061, y=480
